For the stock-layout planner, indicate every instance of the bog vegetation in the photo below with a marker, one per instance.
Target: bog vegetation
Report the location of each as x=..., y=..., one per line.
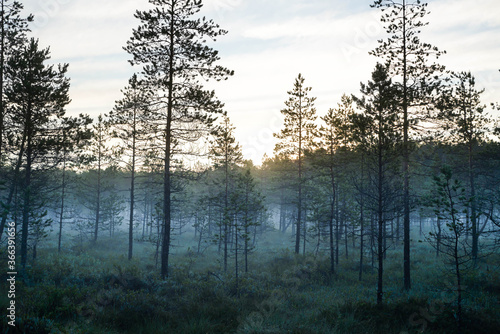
x=380, y=215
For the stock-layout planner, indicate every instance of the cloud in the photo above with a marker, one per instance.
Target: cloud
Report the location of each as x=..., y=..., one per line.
x=268, y=44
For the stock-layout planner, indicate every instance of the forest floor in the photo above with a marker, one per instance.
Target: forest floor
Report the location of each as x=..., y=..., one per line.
x=93, y=288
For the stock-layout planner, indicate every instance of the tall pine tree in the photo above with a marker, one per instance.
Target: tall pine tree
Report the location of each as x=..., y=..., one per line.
x=227, y=155
x=13, y=28
x=171, y=46
x=467, y=123
x=408, y=57
x=299, y=132
x=380, y=138
x=37, y=95
x=129, y=120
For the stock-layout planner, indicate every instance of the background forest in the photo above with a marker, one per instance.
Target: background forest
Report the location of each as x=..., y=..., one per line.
x=379, y=215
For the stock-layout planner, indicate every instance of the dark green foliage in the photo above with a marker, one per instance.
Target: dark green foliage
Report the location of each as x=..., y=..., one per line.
x=98, y=292
x=37, y=94
x=419, y=82
x=296, y=138
x=12, y=37
x=171, y=46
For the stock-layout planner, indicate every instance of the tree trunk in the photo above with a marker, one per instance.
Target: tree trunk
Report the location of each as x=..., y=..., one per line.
x=361, y=243
x=337, y=232
x=61, y=218
x=299, y=213
x=380, y=213
x=15, y=181
x=475, y=234
x=98, y=200
x=346, y=239
x=27, y=188
x=165, y=251
x=226, y=209
x=236, y=256
x=332, y=213
x=406, y=164
x=132, y=192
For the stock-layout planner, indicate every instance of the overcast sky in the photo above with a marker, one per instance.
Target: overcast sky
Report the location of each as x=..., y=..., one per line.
x=269, y=43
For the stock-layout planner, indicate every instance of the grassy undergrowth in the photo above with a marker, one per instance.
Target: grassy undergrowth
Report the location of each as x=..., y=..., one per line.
x=93, y=288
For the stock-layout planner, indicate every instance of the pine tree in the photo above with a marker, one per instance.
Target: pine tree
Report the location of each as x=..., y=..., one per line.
x=73, y=135
x=98, y=160
x=334, y=134
x=37, y=95
x=226, y=153
x=299, y=132
x=407, y=57
x=170, y=44
x=129, y=121
x=246, y=204
x=13, y=30
x=377, y=131
x=466, y=122
x=450, y=201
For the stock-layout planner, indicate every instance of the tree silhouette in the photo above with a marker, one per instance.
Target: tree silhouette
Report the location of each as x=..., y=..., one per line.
x=377, y=131
x=466, y=123
x=299, y=132
x=226, y=153
x=37, y=95
x=407, y=57
x=129, y=121
x=171, y=45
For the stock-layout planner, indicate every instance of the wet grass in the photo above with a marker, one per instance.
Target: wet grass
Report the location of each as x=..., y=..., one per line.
x=93, y=288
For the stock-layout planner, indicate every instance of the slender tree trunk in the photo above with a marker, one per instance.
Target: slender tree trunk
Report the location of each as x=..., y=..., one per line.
x=132, y=190
x=15, y=180
x=236, y=257
x=380, y=214
x=220, y=241
x=372, y=239
x=226, y=208
x=385, y=239
x=380, y=257
x=27, y=189
x=304, y=228
x=26, y=211
x=406, y=163
x=282, y=213
x=160, y=233
x=392, y=233
x=475, y=234
x=246, y=228
x=165, y=251
x=398, y=228
x=459, y=282
x=144, y=219
x=246, y=249
x=337, y=232
x=98, y=200
x=346, y=239
x=361, y=243
x=63, y=195
x=332, y=213
x=299, y=213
